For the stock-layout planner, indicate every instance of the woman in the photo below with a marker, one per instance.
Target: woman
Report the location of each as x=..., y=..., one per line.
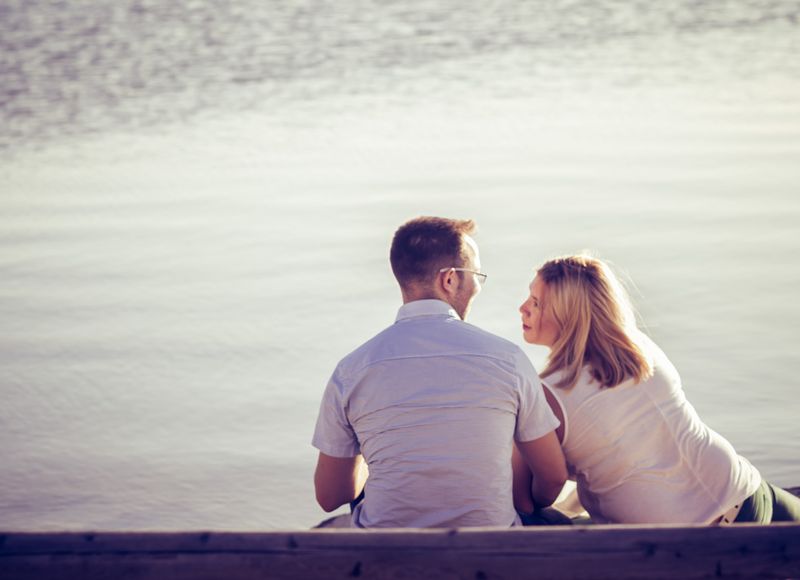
x=636, y=446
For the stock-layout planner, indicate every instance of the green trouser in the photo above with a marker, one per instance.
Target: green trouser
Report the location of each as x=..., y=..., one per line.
x=770, y=504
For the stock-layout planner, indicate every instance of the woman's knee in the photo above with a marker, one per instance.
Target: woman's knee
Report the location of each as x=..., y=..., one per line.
x=785, y=506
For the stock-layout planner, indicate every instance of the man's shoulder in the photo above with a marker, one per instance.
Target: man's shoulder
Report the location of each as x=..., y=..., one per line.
x=491, y=340
x=364, y=353
x=455, y=337
x=500, y=348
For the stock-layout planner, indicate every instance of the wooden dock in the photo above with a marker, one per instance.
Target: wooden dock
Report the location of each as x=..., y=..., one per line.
x=743, y=551
x=587, y=552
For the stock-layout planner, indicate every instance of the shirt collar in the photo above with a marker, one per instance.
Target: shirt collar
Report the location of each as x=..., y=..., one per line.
x=431, y=307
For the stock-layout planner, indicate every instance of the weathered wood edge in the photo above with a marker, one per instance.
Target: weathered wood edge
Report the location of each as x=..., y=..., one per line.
x=553, y=552
x=488, y=539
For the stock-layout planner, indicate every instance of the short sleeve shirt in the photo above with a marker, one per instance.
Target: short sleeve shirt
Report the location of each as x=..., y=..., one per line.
x=433, y=404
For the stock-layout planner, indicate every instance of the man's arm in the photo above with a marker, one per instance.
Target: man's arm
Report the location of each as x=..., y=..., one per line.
x=539, y=472
x=338, y=480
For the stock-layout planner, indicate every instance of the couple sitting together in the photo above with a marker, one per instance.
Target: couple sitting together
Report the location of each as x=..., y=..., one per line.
x=457, y=429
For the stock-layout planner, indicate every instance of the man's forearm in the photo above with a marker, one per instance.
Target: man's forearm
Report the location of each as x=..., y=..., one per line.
x=546, y=462
x=544, y=492
x=522, y=483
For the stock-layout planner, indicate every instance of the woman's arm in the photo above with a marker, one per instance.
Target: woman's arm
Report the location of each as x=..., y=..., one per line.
x=557, y=411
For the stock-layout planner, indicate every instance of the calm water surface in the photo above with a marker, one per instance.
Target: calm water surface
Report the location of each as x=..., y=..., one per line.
x=197, y=201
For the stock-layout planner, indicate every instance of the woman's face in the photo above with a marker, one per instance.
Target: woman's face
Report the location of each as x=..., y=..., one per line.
x=538, y=326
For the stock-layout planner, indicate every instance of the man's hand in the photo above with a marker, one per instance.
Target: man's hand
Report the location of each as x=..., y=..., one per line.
x=338, y=480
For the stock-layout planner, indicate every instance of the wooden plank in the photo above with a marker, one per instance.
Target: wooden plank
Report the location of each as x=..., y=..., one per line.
x=479, y=553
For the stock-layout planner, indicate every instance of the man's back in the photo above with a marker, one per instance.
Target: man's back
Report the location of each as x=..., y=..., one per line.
x=433, y=404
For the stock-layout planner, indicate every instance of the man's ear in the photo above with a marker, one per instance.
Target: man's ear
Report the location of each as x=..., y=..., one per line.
x=447, y=282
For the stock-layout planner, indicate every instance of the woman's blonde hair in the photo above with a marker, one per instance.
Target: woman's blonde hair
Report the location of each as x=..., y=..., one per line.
x=595, y=320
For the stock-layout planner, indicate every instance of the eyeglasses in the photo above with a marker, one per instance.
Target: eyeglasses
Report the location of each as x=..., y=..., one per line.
x=481, y=276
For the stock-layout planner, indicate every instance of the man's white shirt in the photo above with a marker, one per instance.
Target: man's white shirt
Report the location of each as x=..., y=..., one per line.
x=433, y=404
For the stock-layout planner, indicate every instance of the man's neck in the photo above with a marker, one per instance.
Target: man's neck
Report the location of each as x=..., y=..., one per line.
x=421, y=294
x=415, y=297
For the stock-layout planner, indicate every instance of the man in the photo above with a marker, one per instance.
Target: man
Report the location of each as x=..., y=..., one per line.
x=433, y=404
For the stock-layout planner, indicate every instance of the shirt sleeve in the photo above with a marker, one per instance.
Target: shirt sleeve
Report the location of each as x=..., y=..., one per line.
x=535, y=418
x=333, y=434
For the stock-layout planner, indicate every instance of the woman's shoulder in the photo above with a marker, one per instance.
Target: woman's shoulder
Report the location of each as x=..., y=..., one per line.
x=654, y=353
x=584, y=384
x=644, y=342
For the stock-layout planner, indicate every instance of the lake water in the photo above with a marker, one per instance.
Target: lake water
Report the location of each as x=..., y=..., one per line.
x=197, y=200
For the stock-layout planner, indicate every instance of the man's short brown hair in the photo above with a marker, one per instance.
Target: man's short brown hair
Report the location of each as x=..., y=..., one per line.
x=424, y=245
